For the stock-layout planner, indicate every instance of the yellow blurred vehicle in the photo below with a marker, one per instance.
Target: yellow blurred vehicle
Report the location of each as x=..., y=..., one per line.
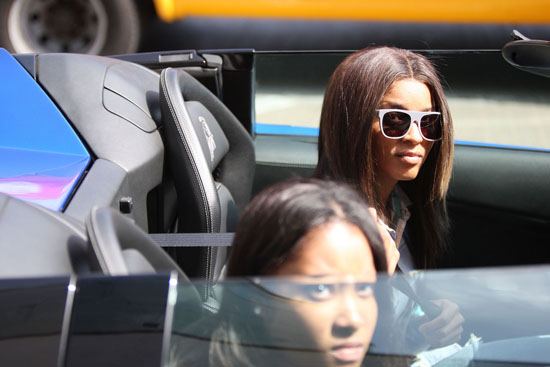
x=453, y=11
x=109, y=27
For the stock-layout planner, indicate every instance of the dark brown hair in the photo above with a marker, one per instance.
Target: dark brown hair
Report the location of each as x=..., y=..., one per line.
x=355, y=91
x=272, y=225
x=268, y=235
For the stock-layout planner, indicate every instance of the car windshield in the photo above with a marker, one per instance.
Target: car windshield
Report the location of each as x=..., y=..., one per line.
x=299, y=321
x=491, y=102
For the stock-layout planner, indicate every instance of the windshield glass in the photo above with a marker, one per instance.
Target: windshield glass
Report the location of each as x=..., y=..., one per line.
x=444, y=318
x=490, y=101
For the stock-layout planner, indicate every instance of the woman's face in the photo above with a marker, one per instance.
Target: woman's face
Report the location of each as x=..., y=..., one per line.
x=337, y=305
x=401, y=159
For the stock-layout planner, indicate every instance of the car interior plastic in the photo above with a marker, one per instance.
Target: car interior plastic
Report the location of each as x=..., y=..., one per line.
x=119, y=123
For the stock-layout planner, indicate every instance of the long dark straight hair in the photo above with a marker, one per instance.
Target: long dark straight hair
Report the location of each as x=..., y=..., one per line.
x=353, y=94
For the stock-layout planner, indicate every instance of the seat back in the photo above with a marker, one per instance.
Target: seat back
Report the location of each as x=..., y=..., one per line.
x=38, y=242
x=211, y=158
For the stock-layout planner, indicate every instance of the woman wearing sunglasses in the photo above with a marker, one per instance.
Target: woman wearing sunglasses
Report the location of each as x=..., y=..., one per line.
x=386, y=129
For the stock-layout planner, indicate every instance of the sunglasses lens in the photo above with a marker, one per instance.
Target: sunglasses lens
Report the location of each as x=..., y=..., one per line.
x=431, y=127
x=396, y=124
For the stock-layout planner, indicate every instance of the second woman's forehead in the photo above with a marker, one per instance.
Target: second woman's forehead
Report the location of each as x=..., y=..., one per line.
x=332, y=249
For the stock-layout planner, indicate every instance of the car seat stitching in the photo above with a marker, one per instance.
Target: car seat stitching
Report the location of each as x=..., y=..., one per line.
x=188, y=151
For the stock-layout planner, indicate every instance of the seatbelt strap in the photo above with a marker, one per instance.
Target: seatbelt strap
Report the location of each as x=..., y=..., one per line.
x=193, y=239
x=431, y=309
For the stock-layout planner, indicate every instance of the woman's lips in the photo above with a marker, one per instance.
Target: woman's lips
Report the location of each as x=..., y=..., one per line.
x=410, y=157
x=349, y=352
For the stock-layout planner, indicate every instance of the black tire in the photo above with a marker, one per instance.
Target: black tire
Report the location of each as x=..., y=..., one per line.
x=103, y=27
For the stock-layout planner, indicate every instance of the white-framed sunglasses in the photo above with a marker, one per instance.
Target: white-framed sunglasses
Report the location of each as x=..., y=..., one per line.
x=395, y=123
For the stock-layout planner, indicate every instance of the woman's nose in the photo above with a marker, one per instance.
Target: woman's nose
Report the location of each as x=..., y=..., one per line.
x=414, y=133
x=348, y=318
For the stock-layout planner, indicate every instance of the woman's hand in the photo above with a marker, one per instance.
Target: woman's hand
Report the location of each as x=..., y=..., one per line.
x=446, y=328
x=392, y=254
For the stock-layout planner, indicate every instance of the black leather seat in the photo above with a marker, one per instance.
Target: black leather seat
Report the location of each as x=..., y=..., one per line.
x=211, y=158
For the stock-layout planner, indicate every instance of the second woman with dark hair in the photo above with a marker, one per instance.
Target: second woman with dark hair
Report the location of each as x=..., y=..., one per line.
x=305, y=255
x=322, y=235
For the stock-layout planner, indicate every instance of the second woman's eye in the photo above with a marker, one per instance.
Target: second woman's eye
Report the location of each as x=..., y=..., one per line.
x=364, y=290
x=319, y=292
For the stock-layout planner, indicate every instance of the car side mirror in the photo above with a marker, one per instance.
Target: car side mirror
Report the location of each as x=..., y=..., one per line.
x=532, y=56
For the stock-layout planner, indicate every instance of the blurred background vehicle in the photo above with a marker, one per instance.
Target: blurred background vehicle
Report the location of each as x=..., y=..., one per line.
x=83, y=26
x=108, y=27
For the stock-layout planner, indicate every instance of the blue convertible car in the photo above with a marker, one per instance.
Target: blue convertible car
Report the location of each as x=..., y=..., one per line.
x=121, y=178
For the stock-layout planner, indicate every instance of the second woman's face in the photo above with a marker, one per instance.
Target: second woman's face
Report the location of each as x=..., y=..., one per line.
x=401, y=159
x=338, y=306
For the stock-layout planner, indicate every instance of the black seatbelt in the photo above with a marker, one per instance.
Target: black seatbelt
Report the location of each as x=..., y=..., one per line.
x=431, y=309
x=192, y=239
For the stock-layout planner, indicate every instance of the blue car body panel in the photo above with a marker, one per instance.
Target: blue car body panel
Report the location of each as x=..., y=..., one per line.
x=275, y=129
x=286, y=130
x=41, y=157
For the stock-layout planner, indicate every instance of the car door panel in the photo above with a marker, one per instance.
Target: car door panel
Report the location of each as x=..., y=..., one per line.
x=499, y=206
x=498, y=201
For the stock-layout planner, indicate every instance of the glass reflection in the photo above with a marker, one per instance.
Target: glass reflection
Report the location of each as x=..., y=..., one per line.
x=268, y=321
x=301, y=321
